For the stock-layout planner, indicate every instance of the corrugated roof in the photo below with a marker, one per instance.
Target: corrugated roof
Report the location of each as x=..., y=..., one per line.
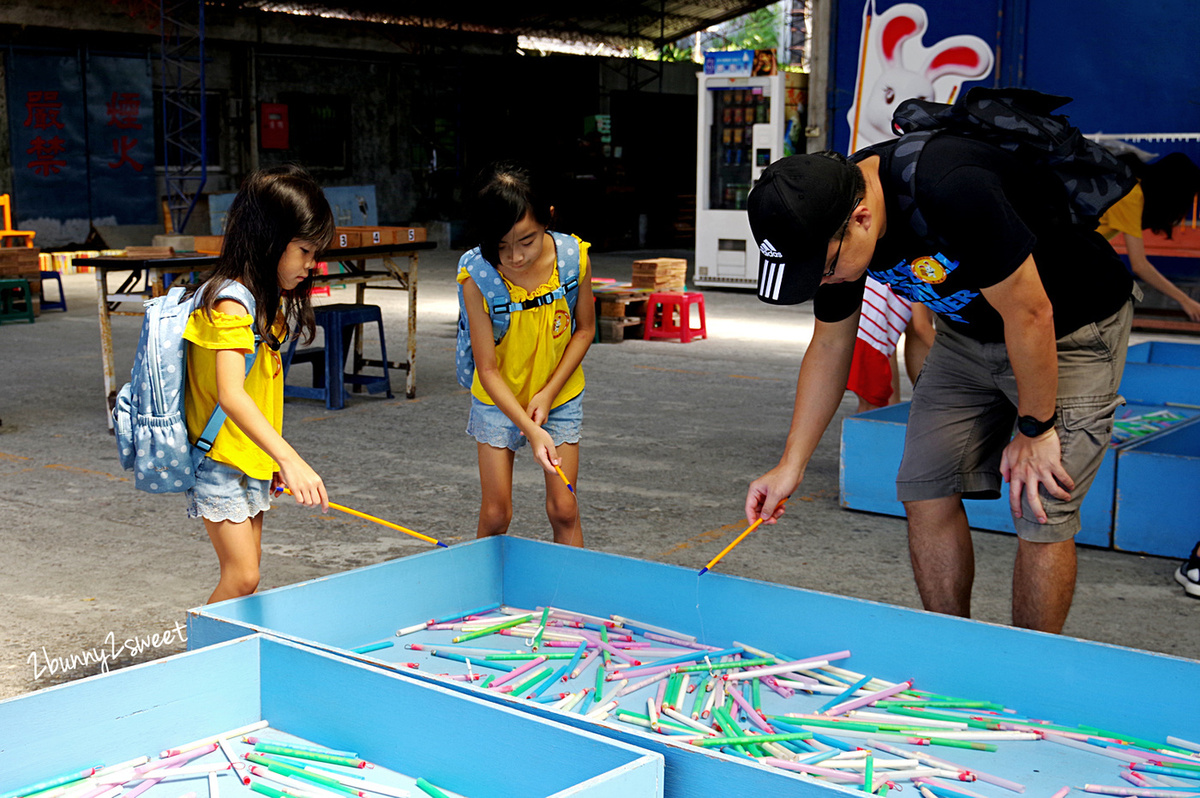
x=627, y=23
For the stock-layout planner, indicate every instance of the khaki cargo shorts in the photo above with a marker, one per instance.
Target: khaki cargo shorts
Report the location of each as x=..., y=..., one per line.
x=964, y=410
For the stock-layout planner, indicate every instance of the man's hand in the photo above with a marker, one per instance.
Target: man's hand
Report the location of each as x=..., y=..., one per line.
x=765, y=497
x=1030, y=462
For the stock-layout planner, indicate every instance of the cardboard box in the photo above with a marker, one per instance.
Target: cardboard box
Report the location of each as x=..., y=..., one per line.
x=410, y=235
x=458, y=742
x=662, y=274
x=208, y=245
x=359, y=236
x=1038, y=675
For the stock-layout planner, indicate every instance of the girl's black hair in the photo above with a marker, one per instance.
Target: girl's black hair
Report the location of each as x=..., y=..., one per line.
x=1169, y=186
x=274, y=206
x=505, y=191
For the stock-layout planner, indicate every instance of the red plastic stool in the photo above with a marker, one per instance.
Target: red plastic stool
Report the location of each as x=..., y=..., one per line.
x=321, y=290
x=668, y=304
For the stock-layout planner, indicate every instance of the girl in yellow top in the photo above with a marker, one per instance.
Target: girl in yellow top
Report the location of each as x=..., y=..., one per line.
x=277, y=224
x=529, y=386
x=1159, y=202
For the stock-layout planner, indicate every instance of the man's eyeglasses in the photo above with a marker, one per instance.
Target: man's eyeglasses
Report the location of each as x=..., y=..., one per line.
x=841, y=238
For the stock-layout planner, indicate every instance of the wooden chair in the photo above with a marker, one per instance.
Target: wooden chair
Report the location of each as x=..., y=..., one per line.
x=9, y=233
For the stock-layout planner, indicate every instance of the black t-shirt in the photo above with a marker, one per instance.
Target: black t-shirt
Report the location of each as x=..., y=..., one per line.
x=986, y=213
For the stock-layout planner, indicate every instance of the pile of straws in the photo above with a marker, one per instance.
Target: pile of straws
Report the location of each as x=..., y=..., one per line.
x=279, y=768
x=712, y=698
x=1145, y=424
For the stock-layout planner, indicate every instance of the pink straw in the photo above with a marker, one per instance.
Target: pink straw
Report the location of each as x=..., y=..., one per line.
x=515, y=672
x=846, y=706
x=755, y=718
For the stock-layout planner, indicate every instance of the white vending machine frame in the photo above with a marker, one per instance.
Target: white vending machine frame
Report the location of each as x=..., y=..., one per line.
x=726, y=254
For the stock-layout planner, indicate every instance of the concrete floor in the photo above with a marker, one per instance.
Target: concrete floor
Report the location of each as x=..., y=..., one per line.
x=673, y=435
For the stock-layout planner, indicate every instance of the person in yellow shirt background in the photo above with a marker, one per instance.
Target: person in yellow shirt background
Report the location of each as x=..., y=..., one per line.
x=528, y=385
x=277, y=223
x=1160, y=201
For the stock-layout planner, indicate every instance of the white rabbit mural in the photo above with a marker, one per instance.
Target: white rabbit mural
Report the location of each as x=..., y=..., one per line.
x=894, y=65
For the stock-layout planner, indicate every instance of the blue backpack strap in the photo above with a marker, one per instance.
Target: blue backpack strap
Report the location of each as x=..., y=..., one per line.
x=570, y=265
x=492, y=286
x=236, y=291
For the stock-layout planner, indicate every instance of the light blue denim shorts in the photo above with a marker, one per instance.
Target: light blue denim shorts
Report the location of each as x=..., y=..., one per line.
x=223, y=493
x=488, y=424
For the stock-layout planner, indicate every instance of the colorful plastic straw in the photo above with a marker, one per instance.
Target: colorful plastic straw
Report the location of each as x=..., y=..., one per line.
x=430, y=789
x=388, y=524
x=736, y=541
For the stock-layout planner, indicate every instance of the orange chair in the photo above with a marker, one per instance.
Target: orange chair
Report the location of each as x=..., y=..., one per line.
x=8, y=233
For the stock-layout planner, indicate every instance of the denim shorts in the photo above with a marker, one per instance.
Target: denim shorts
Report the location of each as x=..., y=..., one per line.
x=964, y=409
x=488, y=424
x=223, y=493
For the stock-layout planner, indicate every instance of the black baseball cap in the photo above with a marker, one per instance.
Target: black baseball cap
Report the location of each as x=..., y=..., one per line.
x=796, y=208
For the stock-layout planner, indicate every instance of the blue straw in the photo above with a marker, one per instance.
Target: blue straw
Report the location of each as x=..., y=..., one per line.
x=848, y=693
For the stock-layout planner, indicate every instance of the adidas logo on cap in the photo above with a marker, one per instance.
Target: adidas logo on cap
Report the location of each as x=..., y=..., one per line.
x=768, y=250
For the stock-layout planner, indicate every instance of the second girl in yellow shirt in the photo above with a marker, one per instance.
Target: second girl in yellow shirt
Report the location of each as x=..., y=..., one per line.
x=529, y=385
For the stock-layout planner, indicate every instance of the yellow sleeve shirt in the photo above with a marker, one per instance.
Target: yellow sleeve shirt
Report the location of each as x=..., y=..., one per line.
x=535, y=342
x=264, y=384
x=1125, y=216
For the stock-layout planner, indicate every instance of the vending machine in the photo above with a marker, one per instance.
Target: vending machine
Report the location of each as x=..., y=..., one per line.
x=745, y=123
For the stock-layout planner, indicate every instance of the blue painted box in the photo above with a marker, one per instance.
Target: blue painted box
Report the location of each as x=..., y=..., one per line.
x=1157, y=375
x=472, y=747
x=872, y=444
x=1171, y=353
x=1044, y=676
x=1158, y=494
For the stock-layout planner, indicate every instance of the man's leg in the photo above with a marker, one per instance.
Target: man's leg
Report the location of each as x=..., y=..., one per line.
x=1090, y=363
x=1043, y=585
x=943, y=557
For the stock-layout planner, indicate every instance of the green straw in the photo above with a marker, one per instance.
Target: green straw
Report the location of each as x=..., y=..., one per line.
x=752, y=739
x=717, y=666
x=670, y=691
x=522, y=655
x=314, y=756
x=921, y=713
x=728, y=723
x=922, y=702
x=517, y=621
x=537, y=638
x=700, y=695
x=258, y=786
x=430, y=789
x=599, y=683
x=292, y=770
x=1138, y=741
x=852, y=725
x=532, y=680
x=604, y=637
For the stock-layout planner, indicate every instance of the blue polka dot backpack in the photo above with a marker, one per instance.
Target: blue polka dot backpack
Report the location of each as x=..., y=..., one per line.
x=499, y=301
x=148, y=419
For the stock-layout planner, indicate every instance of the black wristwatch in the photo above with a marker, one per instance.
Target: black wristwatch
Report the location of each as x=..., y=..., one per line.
x=1030, y=427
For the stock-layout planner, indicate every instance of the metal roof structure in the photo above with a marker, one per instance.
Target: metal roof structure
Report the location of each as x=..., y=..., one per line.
x=623, y=23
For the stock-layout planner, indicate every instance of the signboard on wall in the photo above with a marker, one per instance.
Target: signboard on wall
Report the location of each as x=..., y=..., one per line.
x=79, y=159
x=120, y=111
x=46, y=122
